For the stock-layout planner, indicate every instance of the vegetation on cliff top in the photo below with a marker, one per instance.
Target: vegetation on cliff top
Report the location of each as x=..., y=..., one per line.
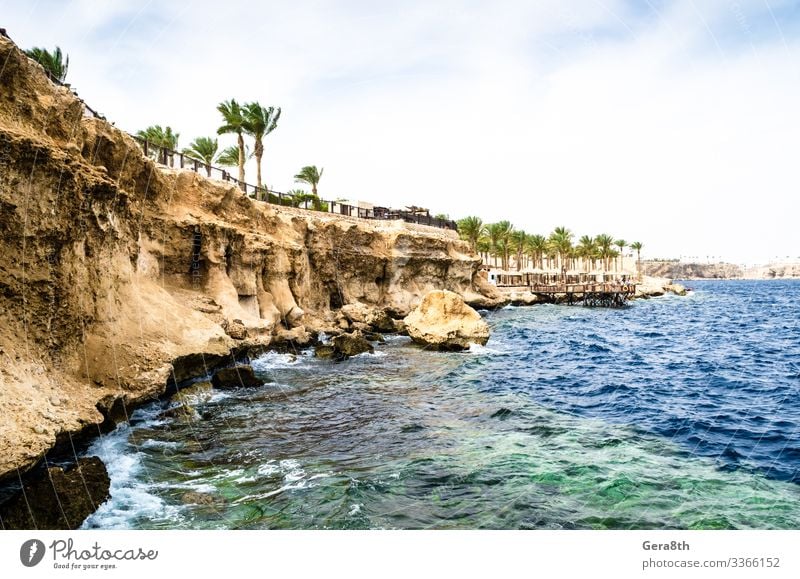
x=54, y=63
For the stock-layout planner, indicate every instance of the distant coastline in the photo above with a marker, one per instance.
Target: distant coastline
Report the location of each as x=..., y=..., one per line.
x=722, y=271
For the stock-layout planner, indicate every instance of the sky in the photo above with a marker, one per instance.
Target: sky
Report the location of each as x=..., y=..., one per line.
x=674, y=124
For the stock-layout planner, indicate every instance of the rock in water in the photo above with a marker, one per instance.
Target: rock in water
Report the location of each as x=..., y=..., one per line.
x=352, y=344
x=443, y=321
x=676, y=289
x=59, y=499
x=235, y=377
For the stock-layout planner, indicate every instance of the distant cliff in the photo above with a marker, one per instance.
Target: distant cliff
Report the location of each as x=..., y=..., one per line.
x=678, y=270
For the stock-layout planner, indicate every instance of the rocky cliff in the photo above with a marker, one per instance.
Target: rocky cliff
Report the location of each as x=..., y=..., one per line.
x=678, y=270
x=117, y=275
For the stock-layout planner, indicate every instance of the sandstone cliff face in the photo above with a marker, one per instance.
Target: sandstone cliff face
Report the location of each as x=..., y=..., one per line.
x=676, y=270
x=117, y=274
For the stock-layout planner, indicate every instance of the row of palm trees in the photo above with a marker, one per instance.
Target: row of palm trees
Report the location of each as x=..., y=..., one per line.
x=246, y=119
x=501, y=242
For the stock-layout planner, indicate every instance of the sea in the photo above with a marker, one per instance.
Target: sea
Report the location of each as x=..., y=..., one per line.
x=671, y=413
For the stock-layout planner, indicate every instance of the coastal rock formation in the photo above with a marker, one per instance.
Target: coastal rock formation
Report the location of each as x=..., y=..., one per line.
x=678, y=270
x=675, y=288
x=443, y=321
x=117, y=275
x=240, y=376
x=58, y=499
x=347, y=345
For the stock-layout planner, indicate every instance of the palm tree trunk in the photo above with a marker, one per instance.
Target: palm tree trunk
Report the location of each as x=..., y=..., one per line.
x=241, y=158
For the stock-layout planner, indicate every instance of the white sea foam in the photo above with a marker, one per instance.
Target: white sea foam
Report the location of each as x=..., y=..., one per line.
x=479, y=350
x=354, y=510
x=130, y=497
x=277, y=360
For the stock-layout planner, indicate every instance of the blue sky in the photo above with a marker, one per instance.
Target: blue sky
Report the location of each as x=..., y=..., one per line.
x=672, y=123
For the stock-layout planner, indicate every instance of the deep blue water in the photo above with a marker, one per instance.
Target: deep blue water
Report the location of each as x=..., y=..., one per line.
x=676, y=412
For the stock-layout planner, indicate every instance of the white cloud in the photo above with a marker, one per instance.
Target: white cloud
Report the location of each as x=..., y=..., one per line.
x=674, y=125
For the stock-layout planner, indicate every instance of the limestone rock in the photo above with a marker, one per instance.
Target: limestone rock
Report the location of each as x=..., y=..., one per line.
x=676, y=289
x=381, y=321
x=523, y=298
x=292, y=339
x=443, y=321
x=235, y=377
x=356, y=312
x=325, y=351
x=347, y=345
x=59, y=499
x=235, y=329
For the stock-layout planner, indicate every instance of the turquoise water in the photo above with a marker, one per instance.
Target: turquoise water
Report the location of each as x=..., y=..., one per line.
x=672, y=413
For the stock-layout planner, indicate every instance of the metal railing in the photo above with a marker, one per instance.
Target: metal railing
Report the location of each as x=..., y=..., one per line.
x=171, y=158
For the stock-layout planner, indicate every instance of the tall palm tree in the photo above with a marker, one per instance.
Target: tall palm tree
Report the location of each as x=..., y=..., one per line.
x=471, y=229
x=517, y=240
x=483, y=248
x=54, y=63
x=258, y=123
x=604, y=243
x=621, y=243
x=203, y=149
x=162, y=137
x=637, y=247
x=494, y=233
x=505, y=240
x=233, y=122
x=561, y=240
x=537, y=246
x=311, y=176
x=586, y=249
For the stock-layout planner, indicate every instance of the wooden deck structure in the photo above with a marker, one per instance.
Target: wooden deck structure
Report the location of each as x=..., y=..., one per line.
x=572, y=288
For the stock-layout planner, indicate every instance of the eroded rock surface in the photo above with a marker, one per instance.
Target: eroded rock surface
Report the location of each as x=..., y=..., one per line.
x=443, y=321
x=135, y=274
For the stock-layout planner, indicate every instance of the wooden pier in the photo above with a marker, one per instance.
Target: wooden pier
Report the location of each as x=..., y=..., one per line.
x=576, y=290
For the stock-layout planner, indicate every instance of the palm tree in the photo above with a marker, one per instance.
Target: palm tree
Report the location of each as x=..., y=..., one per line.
x=203, y=149
x=504, y=244
x=537, y=246
x=604, y=243
x=162, y=137
x=229, y=156
x=483, y=248
x=621, y=243
x=258, y=123
x=494, y=233
x=233, y=122
x=310, y=175
x=471, y=229
x=561, y=240
x=586, y=249
x=637, y=247
x=54, y=63
x=517, y=240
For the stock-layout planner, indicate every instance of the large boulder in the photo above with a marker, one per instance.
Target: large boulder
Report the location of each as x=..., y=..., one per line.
x=235, y=377
x=347, y=345
x=676, y=289
x=443, y=321
x=58, y=498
